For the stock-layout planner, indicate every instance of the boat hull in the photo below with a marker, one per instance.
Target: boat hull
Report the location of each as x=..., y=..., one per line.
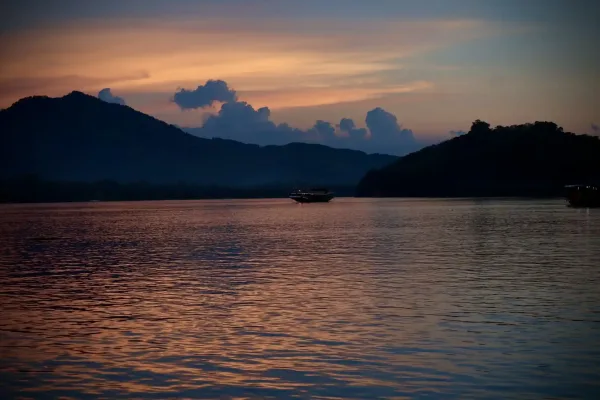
x=584, y=203
x=312, y=198
x=583, y=196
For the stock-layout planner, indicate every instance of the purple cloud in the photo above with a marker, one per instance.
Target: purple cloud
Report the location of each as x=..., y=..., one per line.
x=238, y=120
x=348, y=126
x=107, y=96
x=205, y=95
x=384, y=126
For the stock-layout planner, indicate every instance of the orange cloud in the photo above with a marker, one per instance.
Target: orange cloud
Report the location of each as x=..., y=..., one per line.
x=252, y=56
x=323, y=95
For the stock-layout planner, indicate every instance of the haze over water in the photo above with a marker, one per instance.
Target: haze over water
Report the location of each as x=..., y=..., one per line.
x=359, y=298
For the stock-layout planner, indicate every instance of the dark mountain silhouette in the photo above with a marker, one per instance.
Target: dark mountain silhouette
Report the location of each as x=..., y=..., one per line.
x=79, y=138
x=30, y=189
x=522, y=160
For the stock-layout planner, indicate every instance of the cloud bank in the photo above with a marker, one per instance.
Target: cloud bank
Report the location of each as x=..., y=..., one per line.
x=238, y=120
x=595, y=128
x=106, y=95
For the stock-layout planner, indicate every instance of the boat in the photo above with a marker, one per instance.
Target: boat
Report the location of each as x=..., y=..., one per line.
x=317, y=195
x=583, y=195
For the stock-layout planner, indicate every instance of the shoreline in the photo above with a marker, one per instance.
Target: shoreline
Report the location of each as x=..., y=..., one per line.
x=475, y=198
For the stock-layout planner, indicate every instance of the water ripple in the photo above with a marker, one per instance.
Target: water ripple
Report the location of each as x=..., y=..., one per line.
x=269, y=299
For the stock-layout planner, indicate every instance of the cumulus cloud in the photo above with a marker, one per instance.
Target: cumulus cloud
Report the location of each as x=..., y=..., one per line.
x=457, y=133
x=348, y=127
x=384, y=126
x=106, y=95
x=346, y=124
x=240, y=116
x=205, y=95
x=238, y=120
x=323, y=130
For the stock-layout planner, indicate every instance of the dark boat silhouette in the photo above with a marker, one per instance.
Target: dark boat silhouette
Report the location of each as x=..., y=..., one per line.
x=583, y=195
x=317, y=195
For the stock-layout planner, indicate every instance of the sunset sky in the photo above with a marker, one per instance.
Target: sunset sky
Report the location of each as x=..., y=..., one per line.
x=437, y=65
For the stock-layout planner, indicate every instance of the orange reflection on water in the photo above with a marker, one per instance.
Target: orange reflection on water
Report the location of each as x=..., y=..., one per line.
x=349, y=299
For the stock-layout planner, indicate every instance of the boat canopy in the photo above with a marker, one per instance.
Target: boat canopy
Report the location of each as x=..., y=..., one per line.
x=593, y=187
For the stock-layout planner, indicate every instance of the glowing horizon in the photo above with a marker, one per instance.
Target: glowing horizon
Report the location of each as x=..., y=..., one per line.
x=435, y=72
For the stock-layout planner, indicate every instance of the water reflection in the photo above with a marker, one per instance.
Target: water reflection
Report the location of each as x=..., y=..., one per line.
x=353, y=299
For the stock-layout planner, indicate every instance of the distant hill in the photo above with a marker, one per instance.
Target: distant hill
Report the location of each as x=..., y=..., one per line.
x=523, y=160
x=79, y=138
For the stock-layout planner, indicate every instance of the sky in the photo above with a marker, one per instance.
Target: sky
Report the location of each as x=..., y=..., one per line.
x=419, y=71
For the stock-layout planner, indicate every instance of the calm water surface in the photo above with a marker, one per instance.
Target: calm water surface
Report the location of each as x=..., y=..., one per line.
x=447, y=299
